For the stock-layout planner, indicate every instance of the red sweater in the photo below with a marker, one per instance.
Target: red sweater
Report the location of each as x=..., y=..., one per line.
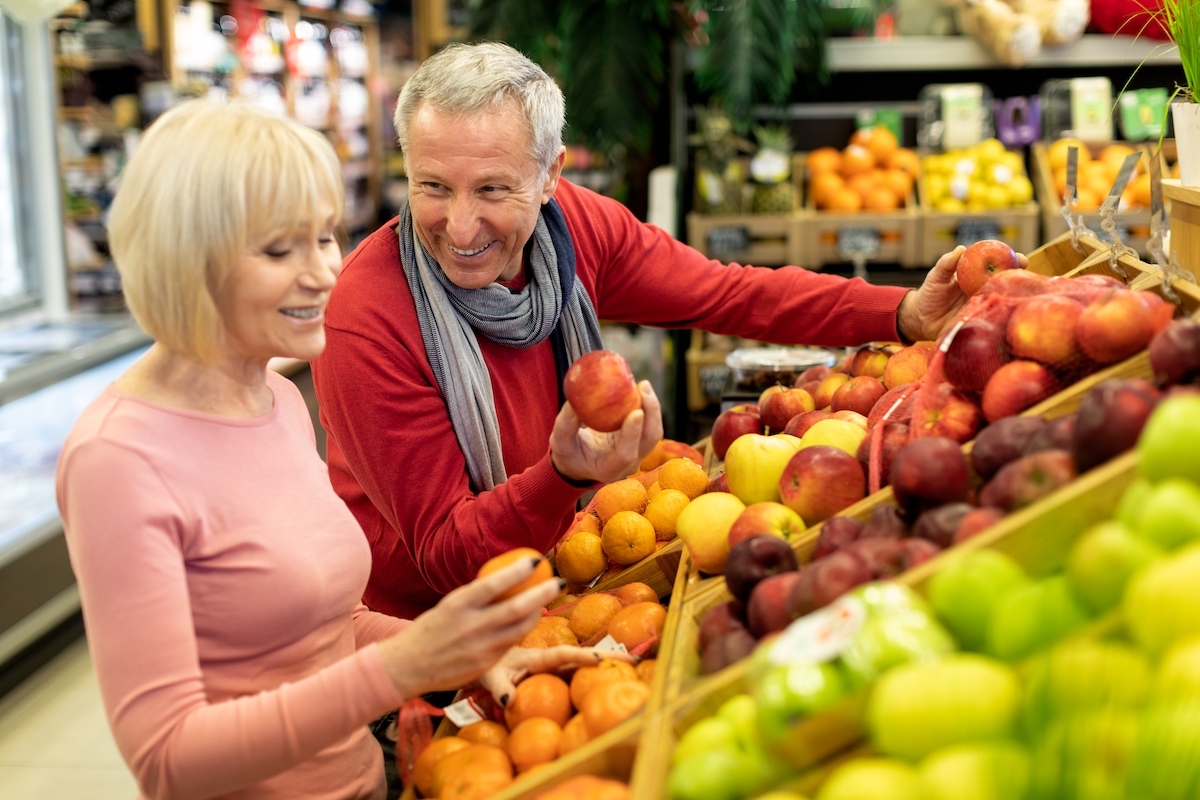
x=392, y=453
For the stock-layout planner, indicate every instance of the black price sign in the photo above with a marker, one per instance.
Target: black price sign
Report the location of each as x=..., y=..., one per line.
x=858, y=241
x=971, y=231
x=729, y=239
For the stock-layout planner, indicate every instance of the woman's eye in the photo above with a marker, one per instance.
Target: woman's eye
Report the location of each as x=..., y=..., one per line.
x=326, y=240
x=277, y=253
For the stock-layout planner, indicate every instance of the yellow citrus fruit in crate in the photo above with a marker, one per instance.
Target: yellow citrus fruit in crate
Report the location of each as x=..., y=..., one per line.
x=580, y=559
x=662, y=511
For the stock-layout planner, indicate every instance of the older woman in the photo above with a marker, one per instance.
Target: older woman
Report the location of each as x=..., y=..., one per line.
x=220, y=575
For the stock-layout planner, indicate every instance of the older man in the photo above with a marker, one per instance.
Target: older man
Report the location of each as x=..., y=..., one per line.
x=452, y=326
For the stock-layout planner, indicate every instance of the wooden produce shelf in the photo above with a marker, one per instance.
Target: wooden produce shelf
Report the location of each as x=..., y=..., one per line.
x=898, y=233
x=941, y=232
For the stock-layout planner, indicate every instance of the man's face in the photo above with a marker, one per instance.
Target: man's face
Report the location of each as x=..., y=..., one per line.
x=475, y=191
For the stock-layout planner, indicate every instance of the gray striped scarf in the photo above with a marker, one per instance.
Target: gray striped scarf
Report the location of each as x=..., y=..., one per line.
x=450, y=317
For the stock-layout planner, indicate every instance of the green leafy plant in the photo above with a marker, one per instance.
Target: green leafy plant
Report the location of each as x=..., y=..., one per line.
x=1181, y=19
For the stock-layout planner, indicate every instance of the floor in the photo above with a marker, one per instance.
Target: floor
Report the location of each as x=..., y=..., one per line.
x=54, y=738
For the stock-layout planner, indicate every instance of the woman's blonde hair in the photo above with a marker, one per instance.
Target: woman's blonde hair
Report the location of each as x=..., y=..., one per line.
x=206, y=179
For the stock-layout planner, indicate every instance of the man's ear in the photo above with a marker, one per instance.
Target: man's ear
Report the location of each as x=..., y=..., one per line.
x=553, y=174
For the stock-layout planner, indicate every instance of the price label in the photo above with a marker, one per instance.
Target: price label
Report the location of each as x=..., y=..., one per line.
x=858, y=242
x=464, y=713
x=889, y=118
x=1091, y=109
x=822, y=635
x=971, y=231
x=1142, y=113
x=962, y=115
x=1106, y=237
x=728, y=239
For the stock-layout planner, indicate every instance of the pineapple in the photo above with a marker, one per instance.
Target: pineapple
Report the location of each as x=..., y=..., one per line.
x=771, y=169
x=719, y=176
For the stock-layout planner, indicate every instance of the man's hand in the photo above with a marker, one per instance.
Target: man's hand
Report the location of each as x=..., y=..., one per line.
x=582, y=454
x=925, y=313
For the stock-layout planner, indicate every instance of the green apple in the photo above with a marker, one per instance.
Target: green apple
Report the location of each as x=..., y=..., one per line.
x=966, y=591
x=787, y=694
x=1129, y=509
x=1162, y=602
x=1166, y=762
x=888, y=640
x=872, y=779
x=1033, y=616
x=1171, y=514
x=753, y=465
x=707, y=735
x=714, y=775
x=1103, y=560
x=917, y=709
x=1178, y=677
x=1170, y=441
x=976, y=771
x=704, y=525
x=1086, y=757
x=781, y=795
x=741, y=712
x=1082, y=676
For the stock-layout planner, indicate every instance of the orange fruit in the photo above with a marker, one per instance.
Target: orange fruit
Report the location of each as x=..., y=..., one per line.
x=472, y=773
x=1116, y=153
x=433, y=753
x=898, y=181
x=581, y=558
x=574, y=734
x=662, y=511
x=881, y=198
x=533, y=742
x=559, y=602
x=1139, y=190
x=856, y=160
x=637, y=624
x=905, y=160
x=487, y=732
x=555, y=631
x=587, y=787
x=543, y=572
x=584, y=521
x=645, y=670
x=879, y=140
x=1056, y=153
x=845, y=201
x=635, y=593
x=654, y=489
x=686, y=476
x=823, y=159
x=647, y=479
x=624, y=495
x=1087, y=201
x=541, y=695
x=534, y=640
x=863, y=183
x=591, y=614
x=610, y=704
x=628, y=538
x=588, y=678
x=823, y=184
x=666, y=449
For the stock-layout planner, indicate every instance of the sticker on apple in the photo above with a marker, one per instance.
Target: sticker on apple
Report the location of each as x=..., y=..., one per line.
x=822, y=635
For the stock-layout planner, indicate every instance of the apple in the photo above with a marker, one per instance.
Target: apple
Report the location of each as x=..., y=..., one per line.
x=728, y=649
x=720, y=620
x=790, y=692
x=753, y=465
x=1028, y=479
x=707, y=735
x=893, y=436
x=811, y=387
x=799, y=424
x=973, y=355
x=704, y=525
x=976, y=771
x=1102, y=561
x=1178, y=674
x=836, y=433
x=977, y=521
x=928, y=472
x=1043, y=329
x=719, y=483
x=1161, y=312
x=765, y=519
x=906, y=366
x=822, y=582
x=824, y=395
x=857, y=394
x=914, y=552
x=1015, y=283
x=939, y=525
x=1015, y=387
x=1001, y=442
x=948, y=412
x=981, y=261
x=885, y=522
x=965, y=593
x=1170, y=516
x=820, y=481
x=1084, y=675
x=1175, y=352
x=868, y=362
x=1058, y=434
x=778, y=404
x=601, y=389
x=1110, y=419
x=836, y=533
x=852, y=417
x=1170, y=443
x=895, y=406
x=767, y=611
x=1129, y=508
x=872, y=779
x=881, y=556
x=1033, y=616
x=1114, y=327
x=1162, y=602
x=729, y=425
x=755, y=559
x=817, y=373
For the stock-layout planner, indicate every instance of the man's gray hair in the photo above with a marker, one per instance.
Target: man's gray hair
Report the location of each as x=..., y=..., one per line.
x=470, y=78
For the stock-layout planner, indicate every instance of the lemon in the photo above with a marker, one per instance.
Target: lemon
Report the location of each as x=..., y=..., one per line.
x=1021, y=190
x=950, y=205
x=997, y=197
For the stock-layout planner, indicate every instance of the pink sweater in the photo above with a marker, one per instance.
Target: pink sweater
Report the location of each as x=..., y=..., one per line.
x=221, y=578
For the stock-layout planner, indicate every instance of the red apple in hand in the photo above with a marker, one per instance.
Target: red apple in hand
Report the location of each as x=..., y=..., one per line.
x=981, y=261
x=778, y=404
x=601, y=389
x=1114, y=327
x=857, y=394
x=1015, y=387
x=1043, y=329
x=947, y=412
x=731, y=424
x=820, y=481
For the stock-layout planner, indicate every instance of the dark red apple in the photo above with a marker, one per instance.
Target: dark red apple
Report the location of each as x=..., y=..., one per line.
x=981, y=261
x=755, y=559
x=882, y=556
x=1111, y=418
x=977, y=522
x=1056, y=435
x=885, y=522
x=729, y=425
x=892, y=436
x=718, y=484
x=928, y=472
x=767, y=611
x=857, y=394
x=946, y=411
x=1114, y=327
x=977, y=350
x=819, y=481
x=1015, y=387
x=939, y=525
x=778, y=404
x=798, y=425
x=601, y=389
x=726, y=651
x=720, y=620
x=1028, y=479
x=1175, y=353
x=836, y=532
x=1001, y=442
x=914, y=552
x=1161, y=312
x=824, y=581
x=896, y=405
x=1043, y=329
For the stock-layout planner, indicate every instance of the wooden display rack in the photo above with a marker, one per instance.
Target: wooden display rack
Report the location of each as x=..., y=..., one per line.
x=1185, y=223
x=941, y=232
x=898, y=232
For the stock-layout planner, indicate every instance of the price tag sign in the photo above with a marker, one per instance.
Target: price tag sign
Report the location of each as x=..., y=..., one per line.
x=1091, y=109
x=971, y=231
x=728, y=239
x=962, y=115
x=464, y=713
x=1142, y=113
x=610, y=645
x=822, y=635
x=858, y=242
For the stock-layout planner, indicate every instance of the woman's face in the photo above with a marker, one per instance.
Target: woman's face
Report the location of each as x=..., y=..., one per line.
x=273, y=302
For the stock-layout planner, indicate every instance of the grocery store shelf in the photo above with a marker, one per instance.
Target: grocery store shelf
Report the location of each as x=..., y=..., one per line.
x=934, y=53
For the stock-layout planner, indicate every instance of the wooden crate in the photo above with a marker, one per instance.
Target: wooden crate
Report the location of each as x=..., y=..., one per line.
x=1136, y=222
x=940, y=231
x=899, y=234
x=707, y=374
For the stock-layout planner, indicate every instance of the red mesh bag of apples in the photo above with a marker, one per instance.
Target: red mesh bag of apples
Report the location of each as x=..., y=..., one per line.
x=1021, y=338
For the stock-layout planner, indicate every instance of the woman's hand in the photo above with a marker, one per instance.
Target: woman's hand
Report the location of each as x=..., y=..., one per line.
x=582, y=454
x=464, y=635
x=925, y=313
x=501, y=680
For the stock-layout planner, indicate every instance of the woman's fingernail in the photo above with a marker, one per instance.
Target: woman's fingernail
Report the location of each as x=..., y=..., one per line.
x=562, y=584
x=533, y=562
x=599, y=656
x=503, y=701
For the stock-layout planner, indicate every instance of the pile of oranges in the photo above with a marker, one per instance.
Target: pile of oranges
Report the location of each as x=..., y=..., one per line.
x=630, y=614
x=1096, y=174
x=631, y=519
x=873, y=173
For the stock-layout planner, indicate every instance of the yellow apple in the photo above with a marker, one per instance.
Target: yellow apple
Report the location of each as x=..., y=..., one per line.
x=753, y=465
x=787, y=437
x=836, y=433
x=704, y=525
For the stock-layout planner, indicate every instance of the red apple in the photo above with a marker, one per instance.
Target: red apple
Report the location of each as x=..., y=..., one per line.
x=914, y=552
x=906, y=366
x=818, y=374
x=939, y=525
x=767, y=611
x=1100, y=281
x=767, y=518
x=836, y=533
x=1114, y=327
x=718, y=484
x=1015, y=283
x=810, y=386
x=977, y=350
x=880, y=555
x=895, y=405
x=1015, y=387
x=854, y=417
x=824, y=581
x=731, y=424
x=1175, y=352
x=799, y=424
x=755, y=559
x=927, y=472
x=601, y=389
x=778, y=404
x=981, y=261
x=869, y=362
x=885, y=522
x=820, y=481
x=1161, y=312
x=825, y=391
x=1057, y=435
x=892, y=437
x=727, y=650
x=976, y=522
x=1001, y=442
x=1028, y=479
x=1110, y=420
x=1043, y=329
x=720, y=620
x=945, y=411
x=858, y=395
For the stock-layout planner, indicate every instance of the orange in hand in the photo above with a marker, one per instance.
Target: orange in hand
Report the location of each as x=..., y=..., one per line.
x=543, y=571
